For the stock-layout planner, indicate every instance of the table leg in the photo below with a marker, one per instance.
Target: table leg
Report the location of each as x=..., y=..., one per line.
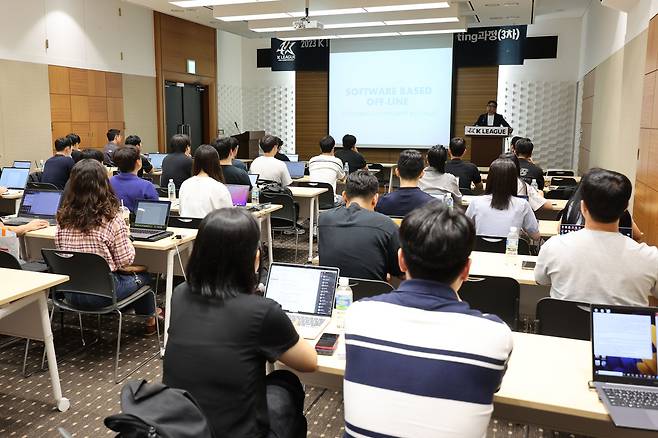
x=63, y=403
x=169, y=287
x=311, y=218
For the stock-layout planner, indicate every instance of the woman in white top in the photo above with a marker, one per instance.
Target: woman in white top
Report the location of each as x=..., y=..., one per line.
x=500, y=209
x=205, y=191
x=435, y=180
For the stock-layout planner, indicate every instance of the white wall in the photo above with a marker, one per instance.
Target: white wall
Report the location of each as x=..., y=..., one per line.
x=86, y=34
x=538, y=98
x=256, y=98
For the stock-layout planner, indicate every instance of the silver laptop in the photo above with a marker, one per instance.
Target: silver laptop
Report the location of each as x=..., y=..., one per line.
x=151, y=221
x=156, y=160
x=624, y=364
x=37, y=204
x=306, y=293
x=253, y=179
x=14, y=178
x=22, y=164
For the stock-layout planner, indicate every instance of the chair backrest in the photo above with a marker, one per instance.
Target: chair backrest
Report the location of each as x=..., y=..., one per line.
x=285, y=217
x=362, y=288
x=495, y=295
x=561, y=193
x=563, y=181
x=563, y=318
x=326, y=200
x=465, y=191
x=8, y=261
x=88, y=273
x=184, y=222
x=163, y=192
x=35, y=176
x=498, y=244
x=559, y=172
x=40, y=186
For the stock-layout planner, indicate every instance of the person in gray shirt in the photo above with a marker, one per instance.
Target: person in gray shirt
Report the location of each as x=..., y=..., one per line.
x=114, y=139
x=499, y=209
x=436, y=181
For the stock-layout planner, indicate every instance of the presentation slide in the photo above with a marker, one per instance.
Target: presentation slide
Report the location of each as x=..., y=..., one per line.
x=397, y=98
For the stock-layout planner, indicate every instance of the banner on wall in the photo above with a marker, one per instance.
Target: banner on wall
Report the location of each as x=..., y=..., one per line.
x=482, y=46
x=305, y=55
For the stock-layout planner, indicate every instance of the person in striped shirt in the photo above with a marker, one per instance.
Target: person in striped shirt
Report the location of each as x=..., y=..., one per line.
x=420, y=362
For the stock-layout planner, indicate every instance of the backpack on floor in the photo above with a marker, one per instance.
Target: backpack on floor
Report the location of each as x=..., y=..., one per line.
x=154, y=410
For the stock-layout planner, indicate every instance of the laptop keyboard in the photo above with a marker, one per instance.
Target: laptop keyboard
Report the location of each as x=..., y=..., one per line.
x=630, y=398
x=306, y=321
x=138, y=232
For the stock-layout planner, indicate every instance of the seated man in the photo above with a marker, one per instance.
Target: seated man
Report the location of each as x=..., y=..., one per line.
x=466, y=171
x=57, y=169
x=524, y=190
x=326, y=167
x=268, y=167
x=232, y=173
x=355, y=238
x=408, y=196
x=420, y=358
x=128, y=187
x=350, y=154
x=235, y=146
x=529, y=170
x=177, y=165
x=598, y=264
x=113, y=142
x=147, y=167
x=280, y=155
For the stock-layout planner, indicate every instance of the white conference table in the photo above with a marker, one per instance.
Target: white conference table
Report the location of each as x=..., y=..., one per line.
x=546, y=384
x=307, y=197
x=24, y=314
x=499, y=265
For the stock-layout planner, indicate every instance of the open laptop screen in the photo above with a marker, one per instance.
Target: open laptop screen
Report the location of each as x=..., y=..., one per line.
x=14, y=178
x=239, y=194
x=295, y=168
x=568, y=228
x=152, y=214
x=253, y=178
x=156, y=160
x=41, y=204
x=623, y=344
x=303, y=288
x=22, y=164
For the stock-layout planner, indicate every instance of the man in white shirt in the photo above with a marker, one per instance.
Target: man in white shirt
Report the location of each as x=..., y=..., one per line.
x=598, y=264
x=326, y=167
x=268, y=167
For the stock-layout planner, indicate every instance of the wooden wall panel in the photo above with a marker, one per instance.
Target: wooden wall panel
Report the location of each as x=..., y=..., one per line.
x=96, y=81
x=98, y=132
x=97, y=109
x=60, y=107
x=58, y=80
x=114, y=108
x=648, y=100
x=60, y=129
x=83, y=130
x=79, y=109
x=311, y=111
x=114, y=84
x=79, y=80
x=652, y=47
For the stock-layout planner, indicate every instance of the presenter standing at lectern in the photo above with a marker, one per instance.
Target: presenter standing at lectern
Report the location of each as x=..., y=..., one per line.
x=492, y=118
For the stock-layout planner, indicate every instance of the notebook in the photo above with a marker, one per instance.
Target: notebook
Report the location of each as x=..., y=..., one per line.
x=151, y=220
x=22, y=164
x=156, y=160
x=296, y=169
x=239, y=194
x=14, y=178
x=37, y=204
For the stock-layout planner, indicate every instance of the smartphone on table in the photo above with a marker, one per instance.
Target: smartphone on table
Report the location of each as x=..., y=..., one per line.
x=327, y=344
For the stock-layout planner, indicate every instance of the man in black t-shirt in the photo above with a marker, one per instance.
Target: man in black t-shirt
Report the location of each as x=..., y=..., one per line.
x=349, y=154
x=178, y=164
x=529, y=170
x=147, y=167
x=357, y=239
x=57, y=168
x=467, y=172
x=232, y=173
x=76, y=153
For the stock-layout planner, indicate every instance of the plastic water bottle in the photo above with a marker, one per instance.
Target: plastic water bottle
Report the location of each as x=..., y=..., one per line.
x=343, y=301
x=449, y=201
x=512, y=245
x=171, y=190
x=125, y=213
x=41, y=164
x=534, y=185
x=255, y=195
x=346, y=168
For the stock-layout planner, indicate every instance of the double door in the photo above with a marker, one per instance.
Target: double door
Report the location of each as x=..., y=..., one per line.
x=184, y=105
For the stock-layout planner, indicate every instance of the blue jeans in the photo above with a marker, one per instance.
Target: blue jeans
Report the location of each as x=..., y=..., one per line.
x=126, y=285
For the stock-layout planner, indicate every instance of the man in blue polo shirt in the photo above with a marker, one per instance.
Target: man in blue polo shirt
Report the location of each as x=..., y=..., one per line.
x=408, y=196
x=128, y=187
x=420, y=362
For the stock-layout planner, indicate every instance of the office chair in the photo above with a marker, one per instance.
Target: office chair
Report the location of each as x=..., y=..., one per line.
x=563, y=318
x=284, y=219
x=184, y=222
x=498, y=245
x=563, y=181
x=496, y=295
x=326, y=200
x=40, y=185
x=362, y=288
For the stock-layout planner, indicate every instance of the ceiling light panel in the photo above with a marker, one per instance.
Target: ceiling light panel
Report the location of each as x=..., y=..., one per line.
x=398, y=30
x=202, y=3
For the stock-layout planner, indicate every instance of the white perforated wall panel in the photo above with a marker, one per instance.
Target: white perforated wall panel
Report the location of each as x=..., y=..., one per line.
x=271, y=109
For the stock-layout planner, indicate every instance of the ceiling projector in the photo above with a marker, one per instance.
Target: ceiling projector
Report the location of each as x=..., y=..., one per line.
x=306, y=23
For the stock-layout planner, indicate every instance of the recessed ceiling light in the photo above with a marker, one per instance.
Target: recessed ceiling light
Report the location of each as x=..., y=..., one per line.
x=422, y=21
x=256, y=17
x=369, y=35
x=199, y=3
x=322, y=13
x=432, y=32
x=274, y=29
x=348, y=25
x=412, y=7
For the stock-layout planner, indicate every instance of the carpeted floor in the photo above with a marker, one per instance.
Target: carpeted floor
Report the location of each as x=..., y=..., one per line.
x=27, y=408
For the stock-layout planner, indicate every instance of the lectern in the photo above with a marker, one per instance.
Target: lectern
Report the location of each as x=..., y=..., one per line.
x=487, y=143
x=249, y=143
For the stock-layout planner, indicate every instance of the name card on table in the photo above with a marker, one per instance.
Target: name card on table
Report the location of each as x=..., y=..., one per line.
x=500, y=131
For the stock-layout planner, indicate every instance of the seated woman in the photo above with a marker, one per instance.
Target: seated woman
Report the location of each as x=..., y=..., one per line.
x=436, y=181
x=572, y=214
x=499, y=208
x=205, y=191
x=222, y=334
x=90, y=220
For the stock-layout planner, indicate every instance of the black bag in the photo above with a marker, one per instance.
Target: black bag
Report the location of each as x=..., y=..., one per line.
x=274, y=188
x=154, y=410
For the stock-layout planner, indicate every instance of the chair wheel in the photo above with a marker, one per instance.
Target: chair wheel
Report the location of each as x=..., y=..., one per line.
x=63, y=404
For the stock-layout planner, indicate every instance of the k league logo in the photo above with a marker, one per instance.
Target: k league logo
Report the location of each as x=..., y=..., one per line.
x=285, y=52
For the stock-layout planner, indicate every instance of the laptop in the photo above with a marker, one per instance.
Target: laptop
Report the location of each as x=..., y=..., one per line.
x=37, y=204
x=293, y=157
x=569, y=228
x=239, y=194
x=296, y=169
x=624, y=364
x=22, y=164
x=151, y=220
x=306, y=293
x=253, y=178
x=14, y=178
x=156, y=160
